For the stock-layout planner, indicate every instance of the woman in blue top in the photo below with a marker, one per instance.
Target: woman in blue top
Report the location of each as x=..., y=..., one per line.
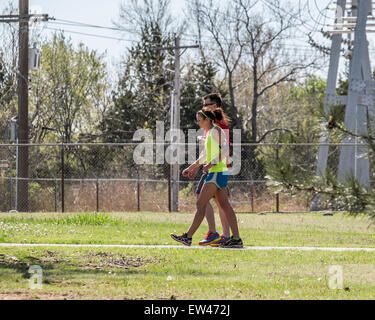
x=216, y=151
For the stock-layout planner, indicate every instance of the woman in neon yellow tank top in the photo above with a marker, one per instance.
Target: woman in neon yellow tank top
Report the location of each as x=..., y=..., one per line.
x=216, y=151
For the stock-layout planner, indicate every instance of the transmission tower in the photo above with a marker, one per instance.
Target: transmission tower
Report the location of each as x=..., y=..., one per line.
x=352, y=16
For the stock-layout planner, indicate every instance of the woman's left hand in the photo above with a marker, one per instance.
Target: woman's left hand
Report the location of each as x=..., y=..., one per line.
x=207, y=167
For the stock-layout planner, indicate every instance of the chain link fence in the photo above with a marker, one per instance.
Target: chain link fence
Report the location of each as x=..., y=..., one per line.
x=105, y=177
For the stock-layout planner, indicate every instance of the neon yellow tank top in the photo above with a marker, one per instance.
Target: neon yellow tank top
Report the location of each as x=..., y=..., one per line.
x=212, y=152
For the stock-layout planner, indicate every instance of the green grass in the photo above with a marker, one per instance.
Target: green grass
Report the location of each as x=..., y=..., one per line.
x=154, y=228
x=185, y=274
x=139, y=273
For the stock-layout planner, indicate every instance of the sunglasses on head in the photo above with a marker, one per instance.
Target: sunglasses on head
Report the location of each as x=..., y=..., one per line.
x=208, y=104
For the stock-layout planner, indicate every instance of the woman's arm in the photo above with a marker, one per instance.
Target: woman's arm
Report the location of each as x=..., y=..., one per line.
x=193, y=168
x=219, y=136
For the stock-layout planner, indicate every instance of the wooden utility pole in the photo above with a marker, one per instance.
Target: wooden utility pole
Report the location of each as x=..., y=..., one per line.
x=175, y=119
x=23, y=107
x=176, y=123
x=23, y=19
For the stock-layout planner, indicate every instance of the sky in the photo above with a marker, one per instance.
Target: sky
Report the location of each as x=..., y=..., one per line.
x=96, y=12
x=100, y=12
x=104, y=12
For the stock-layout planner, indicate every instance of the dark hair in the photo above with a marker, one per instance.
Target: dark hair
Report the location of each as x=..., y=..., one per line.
x=220, y=114
x=215, y=115
x=214, y=97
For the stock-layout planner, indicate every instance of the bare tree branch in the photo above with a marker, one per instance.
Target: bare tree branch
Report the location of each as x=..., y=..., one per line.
x=271, y=131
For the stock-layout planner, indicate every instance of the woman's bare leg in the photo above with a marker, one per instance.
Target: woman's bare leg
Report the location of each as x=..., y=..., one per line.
x=208, y=190
x=210, y=217
x=222, y=197
x=223, y=219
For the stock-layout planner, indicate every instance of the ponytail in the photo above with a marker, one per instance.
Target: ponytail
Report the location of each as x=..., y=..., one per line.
x=207, y=114
x=218, y=113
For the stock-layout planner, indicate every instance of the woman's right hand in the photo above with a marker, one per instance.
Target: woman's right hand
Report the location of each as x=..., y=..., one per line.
x=192, y=172
x=185, y=173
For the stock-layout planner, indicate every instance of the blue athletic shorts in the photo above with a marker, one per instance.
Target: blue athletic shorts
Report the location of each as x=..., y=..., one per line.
x=201, y=182
x=218, y=178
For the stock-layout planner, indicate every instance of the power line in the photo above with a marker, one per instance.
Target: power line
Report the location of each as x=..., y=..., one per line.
x=91, y=35
x=326, y=8
x=82, y=24
x=284, y=46
x=317, y=21
x=270, y=4
x=131, y=40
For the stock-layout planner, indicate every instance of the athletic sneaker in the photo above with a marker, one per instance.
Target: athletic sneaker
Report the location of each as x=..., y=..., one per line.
x=183, y=239
x=209, y=238
x=232, y=243
x=219, y=241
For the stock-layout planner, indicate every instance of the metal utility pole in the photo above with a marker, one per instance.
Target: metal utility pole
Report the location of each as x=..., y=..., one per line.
x=330, y=95
x=354, y=159
x=360, y=100
x=175, y=118
x=23, y=107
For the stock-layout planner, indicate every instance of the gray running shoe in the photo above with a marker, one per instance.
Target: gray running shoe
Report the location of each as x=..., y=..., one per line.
x=183, y=239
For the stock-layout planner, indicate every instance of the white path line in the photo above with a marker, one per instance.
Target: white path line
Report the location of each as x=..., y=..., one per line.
x=179, y=247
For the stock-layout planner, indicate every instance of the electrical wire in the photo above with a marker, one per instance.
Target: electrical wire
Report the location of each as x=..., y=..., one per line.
x=91, y=35
x=81, y=24
x=270, y=4
x=292, y=47
x=321, y=15
x=326, y=8
x=316, y=21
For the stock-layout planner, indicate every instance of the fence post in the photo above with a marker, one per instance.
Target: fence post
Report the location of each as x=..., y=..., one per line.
x=62, y=179
x=252, y=192
x=55, y=194
x=169, y=189
x=277, y=194
x=97, y=195
x=10, y=193
x=138, y=194
x=252, y=197
x=277, y=203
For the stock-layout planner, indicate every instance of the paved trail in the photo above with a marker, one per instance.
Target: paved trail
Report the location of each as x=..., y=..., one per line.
x=254, y=248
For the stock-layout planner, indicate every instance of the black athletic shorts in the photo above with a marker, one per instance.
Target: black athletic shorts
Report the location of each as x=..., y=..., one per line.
x=201, y=183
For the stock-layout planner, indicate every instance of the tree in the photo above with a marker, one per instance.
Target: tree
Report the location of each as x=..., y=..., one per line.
x=7, y=97
x=68, y=92
x=288, y=174
x=68, y=95
x=303, y=103
x=134, y=15
x=8, y=69
x=224, y=26
x=246, y=40
x=199, y=80
x=143, y=93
